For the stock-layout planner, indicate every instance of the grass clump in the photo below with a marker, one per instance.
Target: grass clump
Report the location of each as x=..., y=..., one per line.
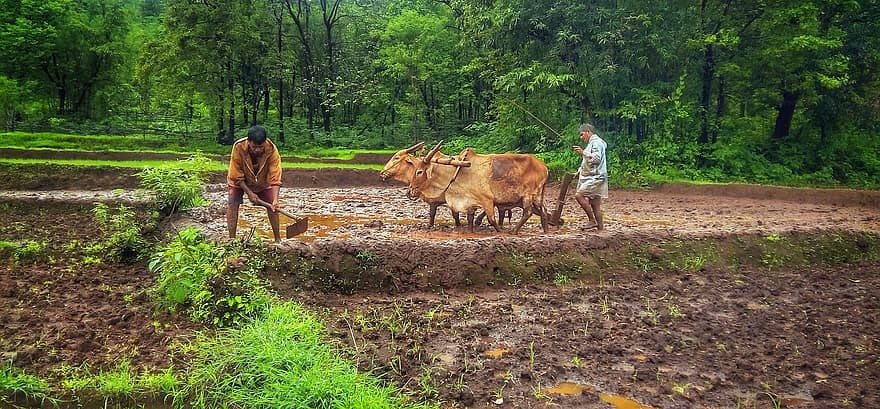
x=279, y=360
x=17, y=387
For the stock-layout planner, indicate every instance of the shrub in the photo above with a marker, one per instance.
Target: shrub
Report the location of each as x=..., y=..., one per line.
x=123, y=237
x=177, y=188
x=194, y=273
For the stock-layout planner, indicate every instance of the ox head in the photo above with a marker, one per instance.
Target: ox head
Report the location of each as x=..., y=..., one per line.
x=402, y=165
x=420, y=171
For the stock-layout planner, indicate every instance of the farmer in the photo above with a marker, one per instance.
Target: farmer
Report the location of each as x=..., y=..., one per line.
x=255, y=170
x=593, y=179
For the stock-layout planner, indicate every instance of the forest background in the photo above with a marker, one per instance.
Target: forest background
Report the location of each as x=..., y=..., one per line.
x=774, y=92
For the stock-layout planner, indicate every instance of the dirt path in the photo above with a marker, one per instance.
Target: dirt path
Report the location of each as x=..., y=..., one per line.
x=688, y=337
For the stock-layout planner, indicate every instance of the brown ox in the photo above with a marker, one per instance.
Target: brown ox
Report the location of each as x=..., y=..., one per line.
x=503, y=180
x=402, y=166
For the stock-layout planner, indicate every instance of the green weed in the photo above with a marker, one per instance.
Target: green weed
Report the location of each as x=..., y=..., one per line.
x=16, y=384
x=177, y=188
x=123, y=240
x=278, y=360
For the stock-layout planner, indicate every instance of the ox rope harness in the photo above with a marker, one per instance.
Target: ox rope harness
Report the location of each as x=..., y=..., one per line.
x=455, y=175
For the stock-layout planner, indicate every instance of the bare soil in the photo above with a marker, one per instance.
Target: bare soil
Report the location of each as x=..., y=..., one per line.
x=675, y=305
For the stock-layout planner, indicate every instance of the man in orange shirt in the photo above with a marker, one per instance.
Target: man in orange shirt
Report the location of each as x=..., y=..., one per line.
x=255, y=170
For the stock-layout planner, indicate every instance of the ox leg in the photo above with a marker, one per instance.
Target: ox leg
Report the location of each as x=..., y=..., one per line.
x=456, y=217
x=490, y=216
x=432, y=214
x=527, y=212
x=479, y=220
x=542, y=213
x=470, y=220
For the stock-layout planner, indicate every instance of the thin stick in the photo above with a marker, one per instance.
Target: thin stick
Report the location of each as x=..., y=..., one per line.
x=536, y=118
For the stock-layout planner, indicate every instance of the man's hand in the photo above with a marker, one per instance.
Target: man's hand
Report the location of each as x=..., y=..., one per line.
x=255, y=200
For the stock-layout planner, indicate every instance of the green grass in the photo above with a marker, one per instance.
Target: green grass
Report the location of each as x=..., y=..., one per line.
x=280, y=360
x=15, y=383
x=150, y=144
x=215, y=165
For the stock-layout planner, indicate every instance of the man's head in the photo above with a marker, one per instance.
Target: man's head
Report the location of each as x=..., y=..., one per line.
x=586, y=131
x=256, y=137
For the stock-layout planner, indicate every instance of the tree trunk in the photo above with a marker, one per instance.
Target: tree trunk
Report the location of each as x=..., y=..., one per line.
x=785, y=114
x=231, y=89
x=706, y=98
x=279, y=18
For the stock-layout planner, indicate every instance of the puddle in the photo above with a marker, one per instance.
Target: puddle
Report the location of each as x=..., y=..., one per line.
x=619, y=402
x=496, y=353
x=570, y=388
x=577, y=389
x=320, y=225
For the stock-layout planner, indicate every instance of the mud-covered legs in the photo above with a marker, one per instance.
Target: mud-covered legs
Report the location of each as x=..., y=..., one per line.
x=232, y=221
x=593, y=208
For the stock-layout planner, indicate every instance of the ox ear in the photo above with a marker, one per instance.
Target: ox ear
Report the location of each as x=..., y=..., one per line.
x=415, y=147
x=433, y=152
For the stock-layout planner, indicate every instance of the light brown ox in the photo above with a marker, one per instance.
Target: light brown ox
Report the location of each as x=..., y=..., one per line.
x=402, y=166
x=503, y=180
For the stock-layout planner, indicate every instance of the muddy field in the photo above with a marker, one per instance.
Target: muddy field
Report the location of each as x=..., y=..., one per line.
x=569, y=318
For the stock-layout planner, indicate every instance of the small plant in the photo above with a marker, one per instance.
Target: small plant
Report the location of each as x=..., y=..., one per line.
x=605, y=304
x=650, y=313
x=694, y=262
x=773, y=238
x=532, y=356
x=183, y=267
x=561, y=279
x=681, y=389
x=367, y=259
x=28, y=251
x=123, y=240
x=177, y=188
x=191, y=274
x=674, y=311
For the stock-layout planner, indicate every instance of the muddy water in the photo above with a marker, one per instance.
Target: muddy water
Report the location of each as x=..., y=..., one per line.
x=577, y=389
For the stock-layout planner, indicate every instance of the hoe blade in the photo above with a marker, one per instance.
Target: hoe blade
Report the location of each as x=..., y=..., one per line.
x=297, y=228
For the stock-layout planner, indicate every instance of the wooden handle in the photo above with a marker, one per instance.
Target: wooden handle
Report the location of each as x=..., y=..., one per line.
x=451, y=161
x=263, y=203
x=288, y=214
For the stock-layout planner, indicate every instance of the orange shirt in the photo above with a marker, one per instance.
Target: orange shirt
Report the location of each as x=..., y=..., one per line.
x=258, y=174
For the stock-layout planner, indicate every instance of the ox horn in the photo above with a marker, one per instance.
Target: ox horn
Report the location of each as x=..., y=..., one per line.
x=415, y=147
x=433, y=152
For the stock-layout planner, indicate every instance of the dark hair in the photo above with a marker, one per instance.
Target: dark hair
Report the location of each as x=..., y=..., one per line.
x=256, y=134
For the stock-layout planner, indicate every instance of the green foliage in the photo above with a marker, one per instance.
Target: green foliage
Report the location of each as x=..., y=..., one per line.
x=279, y=360
x=15, y=384
x=197, y=274
x=23, y=252
x=177, y=188
x=122, y=234
x=680, y=92
x=184, y=266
